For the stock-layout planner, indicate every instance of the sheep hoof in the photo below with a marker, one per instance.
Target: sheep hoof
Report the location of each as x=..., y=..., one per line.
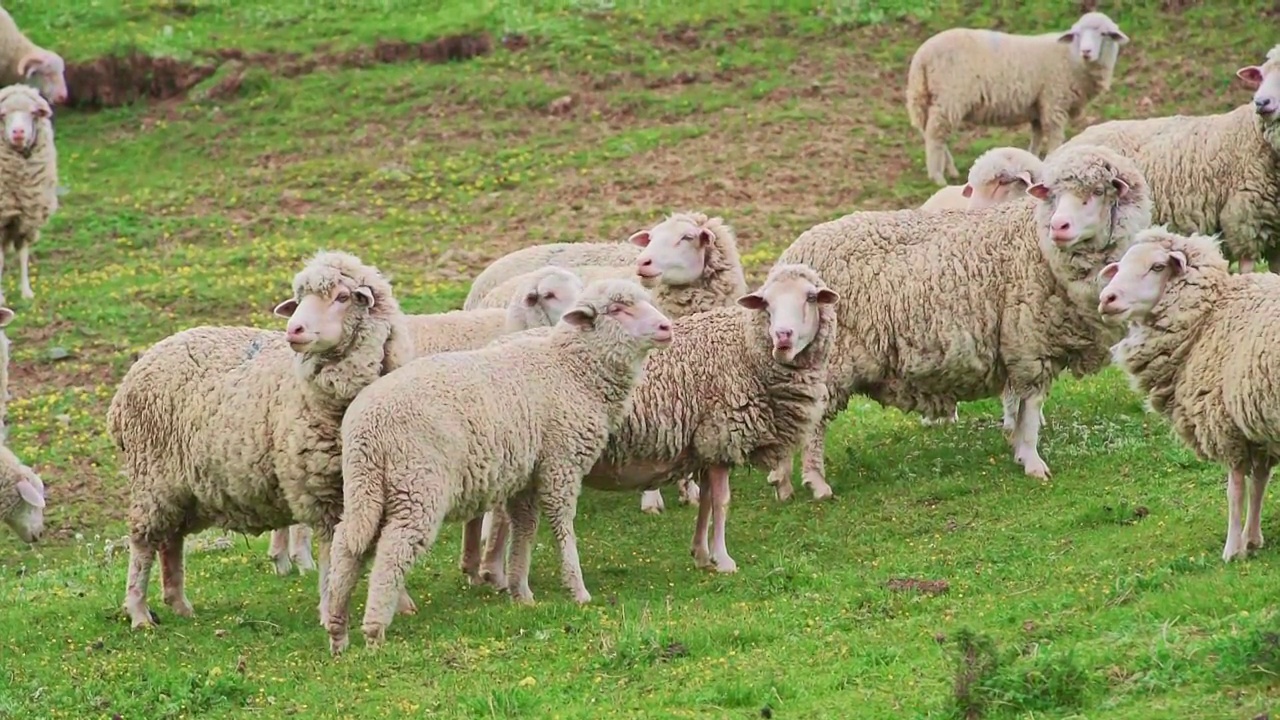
x=141, y=618
x=690, y=493
x=702, y=559
x=406, y=606
x=374, y=635
x=304, y=564
x=338, y=644
x=1233, y=550
x=725, y=564
x=1255, y=541
x=181, y=607
x=495, y=578
x=283, y=565
x=651, y=502
x=28, y=294
x=522, y=597
x=582, y=597
x=783, y=491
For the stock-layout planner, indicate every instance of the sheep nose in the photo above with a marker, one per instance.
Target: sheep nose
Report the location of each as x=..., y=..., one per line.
x=295, y=329
x=782, y=338
x=1108, y=298
x=1263, y=105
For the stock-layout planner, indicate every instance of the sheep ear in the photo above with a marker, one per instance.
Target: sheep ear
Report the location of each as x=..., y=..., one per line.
x=1109, y=272
x=583, y=318
x=967, y=191
x=704, y=236
x=6, y=316
x=752, y=301
x=1117, y=36
x=531, y=299
x=29, y=494
x=1026, y=179
x=1251, y=75
x=641, y=238
x=1121, y=186
x=1179, y=262
x=286, y=308
x=30, y=65
x=1038, y=191
x=364, y=296
x=827, y=296
x=1067, y=36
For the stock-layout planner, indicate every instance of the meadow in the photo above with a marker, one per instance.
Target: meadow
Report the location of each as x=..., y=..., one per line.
x=940, y=582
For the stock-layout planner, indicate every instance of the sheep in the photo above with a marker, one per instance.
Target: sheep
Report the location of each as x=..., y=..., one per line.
x=998, y=175
x=1201, y=347
x=22, y=499
x=738, y=386
x=537, y=300
x=1213, y=173
x=28, y=175
x=993, y=78
x=449, y=435
x=935, y=311
x=238, y=427
x=23, y=61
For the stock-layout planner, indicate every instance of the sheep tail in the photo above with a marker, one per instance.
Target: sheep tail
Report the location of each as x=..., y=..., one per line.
x=918, y=93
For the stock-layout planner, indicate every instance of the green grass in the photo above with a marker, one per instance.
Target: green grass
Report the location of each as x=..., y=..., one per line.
x=1099, y=594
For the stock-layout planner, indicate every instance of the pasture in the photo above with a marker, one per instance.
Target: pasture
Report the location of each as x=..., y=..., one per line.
x=939, y=582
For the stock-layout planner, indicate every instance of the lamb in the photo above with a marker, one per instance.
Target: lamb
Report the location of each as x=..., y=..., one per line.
x=739, y=386
x=238, y=427
x=1213, y=173
x=1201, y=347
x=23, y=61
x=937, y=312
x=998, y=175
x=28, y=175
x=22, y=500
x=997, y=79
x=537, y=300
x=451, y=434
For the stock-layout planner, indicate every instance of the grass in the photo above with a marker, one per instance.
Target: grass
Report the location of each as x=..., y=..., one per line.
x=1099, y=594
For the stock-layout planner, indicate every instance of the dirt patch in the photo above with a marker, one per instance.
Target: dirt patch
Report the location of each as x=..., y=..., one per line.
x=117, y=80
x=924, y=587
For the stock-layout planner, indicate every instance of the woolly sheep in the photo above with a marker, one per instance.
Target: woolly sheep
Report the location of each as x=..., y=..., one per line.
x=992, y=78
x=1213, y=173
x=1201, y=347
x=23, y=61
x=22, y=500
x=935, y=311
x=238, y=427
x=537, y=300
x=739, y=386
x=28, y=175
x=998, y=175
x=451, y=434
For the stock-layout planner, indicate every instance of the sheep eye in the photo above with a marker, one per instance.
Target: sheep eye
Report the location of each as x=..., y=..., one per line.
x=550, y=296
x=813, y=296
x=1158, y=268
x=342, y=297
x=1098, y=192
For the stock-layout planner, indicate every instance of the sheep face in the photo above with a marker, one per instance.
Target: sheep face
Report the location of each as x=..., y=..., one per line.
x=1266, y=79
x=792, y=302
x=46, y=71
x=993, y=191
x=1135, y=284
x=21, y=111
x=26, y=515
x=1079, y=213
x=675, y=252
x=610, y=308
x=553, y=294
x=318, y=322
x=1089, y=34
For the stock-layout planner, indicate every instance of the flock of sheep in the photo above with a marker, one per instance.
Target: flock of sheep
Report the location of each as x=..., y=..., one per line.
x=629, y=366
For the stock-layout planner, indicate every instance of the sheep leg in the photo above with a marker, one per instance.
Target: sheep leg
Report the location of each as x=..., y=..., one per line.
x=700, y=549
x=1026, y=437
x=1235, y=546
x=339, y=572
x=493, y=565
x=326, y=544
x=1246, y=265
x=936, y=153
x=1055, y=130
x=142, y=555
x=278, y=551
x=720, y=494
x=688, y=490
x=1037, y=138
x=399, y=546
x=651, y=502
x=523, y=512
x=780, y=479
x=1257, y=489
x=173, y=577
x=1009, y=400
x=469, y=562
x=943, y=419
x=24, y=258
x=300, y=548
x=813, y=463
x=558, y=495
x=951, y=170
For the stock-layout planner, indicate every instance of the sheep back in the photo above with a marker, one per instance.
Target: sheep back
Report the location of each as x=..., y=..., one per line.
x=532, y=258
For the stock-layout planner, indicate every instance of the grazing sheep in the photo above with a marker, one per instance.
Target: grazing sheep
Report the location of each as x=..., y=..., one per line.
x=992, y=78
x=739, y=386
x=1213, y=173
x=537, y=300
x=23, y=61
x=28, y=175
x=22, y=498
x=998, y=175
x=239, y=428
x=1201, y=346
x=935, y=312
x=449, y=435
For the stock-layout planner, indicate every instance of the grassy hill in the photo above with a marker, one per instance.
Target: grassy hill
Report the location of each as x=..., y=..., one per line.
x=279, y=127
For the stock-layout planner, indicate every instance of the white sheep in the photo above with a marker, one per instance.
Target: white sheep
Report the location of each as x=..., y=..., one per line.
x=537, y=300
x=1201, y=346
x=1213, y=173
x=23, y=61
x=740, y=386
x=239, y=428
x=22, y=499
x=997, y=175
x=28, y=175
x=449, y=435
x=984, y=77
x=934, y=311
